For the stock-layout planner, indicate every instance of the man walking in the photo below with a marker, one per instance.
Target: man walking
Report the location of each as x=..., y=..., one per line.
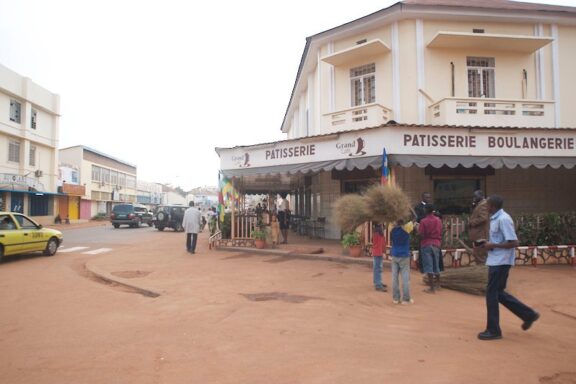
x=430, y=231
x=192, y=223
x=501, y=255
x=478, y=226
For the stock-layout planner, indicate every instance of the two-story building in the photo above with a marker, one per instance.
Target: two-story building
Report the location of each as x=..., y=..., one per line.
x=149, y=194
x=461, y=95
x=29, y=133
x=107, y=180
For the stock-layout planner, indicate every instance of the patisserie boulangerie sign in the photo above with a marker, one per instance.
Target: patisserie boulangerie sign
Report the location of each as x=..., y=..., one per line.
x=404, y=140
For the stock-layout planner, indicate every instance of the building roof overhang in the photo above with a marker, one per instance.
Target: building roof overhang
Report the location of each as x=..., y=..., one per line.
x=498, y=42
x=368, y=49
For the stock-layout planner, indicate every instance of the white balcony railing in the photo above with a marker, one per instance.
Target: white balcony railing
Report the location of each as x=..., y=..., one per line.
x=492, y=112
x=363, y=116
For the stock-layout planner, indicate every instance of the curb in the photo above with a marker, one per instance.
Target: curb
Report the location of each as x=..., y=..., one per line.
x=303, y=256
x=106, y=276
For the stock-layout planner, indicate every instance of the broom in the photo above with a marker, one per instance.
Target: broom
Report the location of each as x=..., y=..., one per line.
x=470, y=280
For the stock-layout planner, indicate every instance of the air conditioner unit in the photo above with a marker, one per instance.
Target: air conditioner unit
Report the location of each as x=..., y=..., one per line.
x=38, y=173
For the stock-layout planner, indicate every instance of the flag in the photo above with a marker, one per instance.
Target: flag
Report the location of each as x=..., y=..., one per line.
x=385, y=171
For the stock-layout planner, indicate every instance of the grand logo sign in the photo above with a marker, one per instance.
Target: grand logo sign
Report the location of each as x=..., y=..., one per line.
x=356, y=147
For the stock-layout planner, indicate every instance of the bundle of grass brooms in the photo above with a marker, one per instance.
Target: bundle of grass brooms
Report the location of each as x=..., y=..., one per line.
x=388, y=204
x=380, y=204
x=470, y=280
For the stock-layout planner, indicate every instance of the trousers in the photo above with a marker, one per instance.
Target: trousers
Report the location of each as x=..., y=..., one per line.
x=191, y=239
x=496, y=294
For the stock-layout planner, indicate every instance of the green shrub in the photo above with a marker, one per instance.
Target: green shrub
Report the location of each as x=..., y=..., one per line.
x=349, y=239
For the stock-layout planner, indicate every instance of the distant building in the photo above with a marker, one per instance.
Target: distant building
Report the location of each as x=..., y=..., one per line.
x=173, y=196
x=29, y=122
x=107, y=180
x=149, y=193
x=203, y=197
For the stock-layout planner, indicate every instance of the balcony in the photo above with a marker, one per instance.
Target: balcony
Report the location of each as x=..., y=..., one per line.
x=492, y=112
x=363, y=116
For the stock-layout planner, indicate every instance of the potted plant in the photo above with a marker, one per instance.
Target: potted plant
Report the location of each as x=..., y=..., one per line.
x=259, y=237
x=352, y=242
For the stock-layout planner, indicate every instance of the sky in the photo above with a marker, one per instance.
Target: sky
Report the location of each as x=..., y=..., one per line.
x=160, y=84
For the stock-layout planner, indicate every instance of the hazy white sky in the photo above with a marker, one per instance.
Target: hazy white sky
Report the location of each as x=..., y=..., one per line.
x=161, y=83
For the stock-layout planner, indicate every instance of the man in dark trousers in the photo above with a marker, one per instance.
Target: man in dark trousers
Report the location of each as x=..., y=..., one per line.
x=501, y=255
x=192, y=222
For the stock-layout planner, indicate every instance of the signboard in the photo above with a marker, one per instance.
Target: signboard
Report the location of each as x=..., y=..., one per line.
x=14, y=181
x=405, y=140
x=71, y=189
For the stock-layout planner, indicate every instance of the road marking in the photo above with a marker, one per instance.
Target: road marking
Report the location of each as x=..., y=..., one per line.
x=97, y=251
x=73, y=249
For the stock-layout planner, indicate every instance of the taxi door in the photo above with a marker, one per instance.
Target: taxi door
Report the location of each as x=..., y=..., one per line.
x=10, y=235
x=32, y=237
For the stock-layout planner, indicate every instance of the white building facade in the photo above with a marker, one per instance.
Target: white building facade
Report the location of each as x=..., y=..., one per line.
x=107, y=180
x=462, y=96
x=29, y=134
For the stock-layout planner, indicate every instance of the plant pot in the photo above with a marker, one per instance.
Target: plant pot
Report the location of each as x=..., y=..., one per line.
x=260, y=244
x=355, y=250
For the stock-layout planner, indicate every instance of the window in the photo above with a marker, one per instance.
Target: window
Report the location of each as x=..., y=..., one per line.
x=75, y=177
x=481, y=77
x=6, y=223
x=130, y=182
x=15, y=108
x=96, y=173
x=114, y=177
x=105, y=175
x=121, y=179
x=452, y=196
x=25, y=222
x=363, y=84
x=33, y=118
x=14, y=151
x=32, y=159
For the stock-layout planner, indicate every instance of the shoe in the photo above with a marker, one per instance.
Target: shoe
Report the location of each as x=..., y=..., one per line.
x=408, y=302
x=381, y=289
x=487, y=335
x=527, y=324
x=395, y=301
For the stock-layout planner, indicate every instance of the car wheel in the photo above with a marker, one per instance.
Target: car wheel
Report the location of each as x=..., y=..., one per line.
x=137, y=224
x=160, y=229
x=51, y=247
x=116, y=226
x=1, y=253
x=179, y=228
x=150, y=224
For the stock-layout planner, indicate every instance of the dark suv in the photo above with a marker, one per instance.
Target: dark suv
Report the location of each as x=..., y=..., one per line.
x=131, y=214
x=170, y=216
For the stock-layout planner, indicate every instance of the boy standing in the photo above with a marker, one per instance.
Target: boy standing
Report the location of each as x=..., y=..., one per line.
x=378, y=247
x=400, y=237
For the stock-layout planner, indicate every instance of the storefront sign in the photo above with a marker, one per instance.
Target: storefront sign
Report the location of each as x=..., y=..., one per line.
x=14, y=181
x=405, y=140
x=71, y=189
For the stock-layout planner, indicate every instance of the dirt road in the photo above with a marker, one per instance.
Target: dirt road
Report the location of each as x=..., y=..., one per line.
x=238, y=318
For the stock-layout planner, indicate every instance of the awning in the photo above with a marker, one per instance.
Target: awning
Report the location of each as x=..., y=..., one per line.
x=421, y=161
x=37, y=193
x=498, y=42
x=361, y=51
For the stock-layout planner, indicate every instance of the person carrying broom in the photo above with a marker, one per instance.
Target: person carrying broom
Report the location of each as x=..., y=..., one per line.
x=501, y=256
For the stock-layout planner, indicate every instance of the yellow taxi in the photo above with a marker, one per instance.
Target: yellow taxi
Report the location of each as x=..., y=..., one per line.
x=20, y=234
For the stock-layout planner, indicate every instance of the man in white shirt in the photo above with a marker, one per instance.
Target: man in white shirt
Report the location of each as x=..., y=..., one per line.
x=192, y=223
x=284, y=217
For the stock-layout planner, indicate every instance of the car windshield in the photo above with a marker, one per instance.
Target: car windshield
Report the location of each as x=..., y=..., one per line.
x=123, y=209
x=139, y=209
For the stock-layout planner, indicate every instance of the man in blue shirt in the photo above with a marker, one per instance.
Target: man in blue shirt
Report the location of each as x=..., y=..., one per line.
x=501, y=255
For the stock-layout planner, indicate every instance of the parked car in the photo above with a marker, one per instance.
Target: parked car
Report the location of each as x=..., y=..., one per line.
x=170, y=216
x=131, y=214
x=20, y=234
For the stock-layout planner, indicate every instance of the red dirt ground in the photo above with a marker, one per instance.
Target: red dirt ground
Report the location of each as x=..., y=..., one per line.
x=240, y=318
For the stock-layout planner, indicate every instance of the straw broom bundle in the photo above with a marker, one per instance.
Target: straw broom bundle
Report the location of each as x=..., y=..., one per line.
x=351, y=211
x=470, y=280
x=387, y=204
